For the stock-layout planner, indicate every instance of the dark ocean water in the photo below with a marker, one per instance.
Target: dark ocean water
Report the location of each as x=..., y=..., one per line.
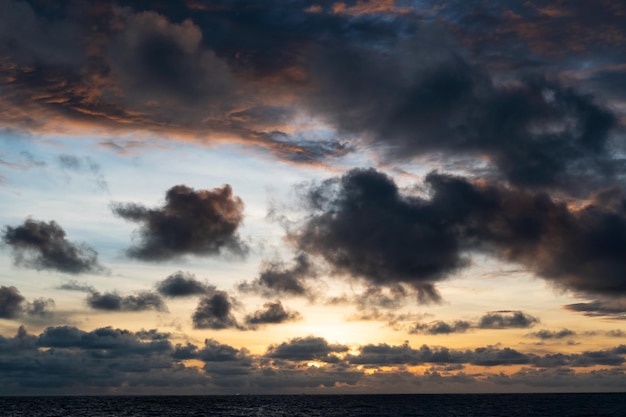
x=510, y=405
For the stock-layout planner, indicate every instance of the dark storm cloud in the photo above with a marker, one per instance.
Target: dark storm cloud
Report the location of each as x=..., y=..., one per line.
x=272, y=313
x=277, y=279
x=182, y=284
x=191, y=222
x=507, y=320
x=40, y=245
x=362, y=225
x=399, y=80
x=108, y=65
x=306, y=348
x=420, y=96
x=112, y=301
x=215, y=312
x=164, y=68
x=545, y=334
x=10, y=302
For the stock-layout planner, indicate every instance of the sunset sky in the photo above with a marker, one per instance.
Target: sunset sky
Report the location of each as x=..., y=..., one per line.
x=293, y=196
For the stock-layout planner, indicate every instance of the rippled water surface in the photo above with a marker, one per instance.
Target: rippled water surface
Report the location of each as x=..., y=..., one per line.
x=511, y=405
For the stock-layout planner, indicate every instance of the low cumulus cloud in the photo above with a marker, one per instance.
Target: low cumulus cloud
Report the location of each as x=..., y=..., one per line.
x=183, y=284
x=306, y=348
x=43, y=246
x=112, y=301
x=272, y=313
x=202, y=222
x=365, y=227
x=147, y=361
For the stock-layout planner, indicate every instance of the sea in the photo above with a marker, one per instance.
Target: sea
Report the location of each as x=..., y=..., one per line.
x=483, y=405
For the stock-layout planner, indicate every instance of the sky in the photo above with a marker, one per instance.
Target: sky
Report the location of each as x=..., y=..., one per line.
x=321, y=197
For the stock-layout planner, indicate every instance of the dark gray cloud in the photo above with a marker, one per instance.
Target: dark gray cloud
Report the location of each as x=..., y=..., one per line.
x=507, y=320
x=40, y=245
x=362, y=225
x=272, y=313
x=10, y=302
x=545, y=334
x=191, y=222
x=111, y=301
x=215, y=312
x=182, y=284
x=277, y=279
x=306, y=348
